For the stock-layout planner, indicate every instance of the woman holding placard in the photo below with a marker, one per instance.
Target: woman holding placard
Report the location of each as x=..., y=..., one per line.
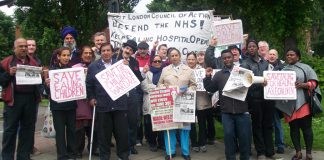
x=301, y=118
x=202, y=105
x=180, y=75
x=64, y=114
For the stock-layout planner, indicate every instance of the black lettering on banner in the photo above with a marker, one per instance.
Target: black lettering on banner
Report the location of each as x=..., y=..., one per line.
x=185, y=23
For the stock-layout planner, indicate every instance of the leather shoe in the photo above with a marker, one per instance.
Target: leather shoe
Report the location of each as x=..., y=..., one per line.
x=133, y=150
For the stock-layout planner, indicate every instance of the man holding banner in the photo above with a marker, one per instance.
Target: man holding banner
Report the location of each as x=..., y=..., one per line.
x=111, y=115
x=20, y=104
x=135, y=96
x=235, y=113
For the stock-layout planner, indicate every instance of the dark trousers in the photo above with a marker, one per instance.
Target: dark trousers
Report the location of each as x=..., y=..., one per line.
x=305, y=124
x=210, y=124
x=237, y=126
x=64, y=124
x=22, y=114
x=108, y=123
x=154, y=138
x=262, y=113
x=81, y=132
x=140, y=134
x=135, y=100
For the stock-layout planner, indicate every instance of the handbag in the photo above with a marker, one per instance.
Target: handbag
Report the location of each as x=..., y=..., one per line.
x=315, y=103
x=48, y=130
x=314, y=99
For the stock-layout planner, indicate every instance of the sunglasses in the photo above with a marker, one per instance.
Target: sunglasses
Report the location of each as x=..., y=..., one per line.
x=157, y=61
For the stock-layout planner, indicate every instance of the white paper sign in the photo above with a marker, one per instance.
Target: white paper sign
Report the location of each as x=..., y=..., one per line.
x=280, y=85
x=228, y=32
x=28, y=75
x=67, y=84
x=234, y=87
x=117, y=79
x=185, y=107
x=200, y=75
x=187, y=31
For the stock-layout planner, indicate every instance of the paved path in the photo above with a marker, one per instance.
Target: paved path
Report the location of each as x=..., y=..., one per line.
x=215, y=152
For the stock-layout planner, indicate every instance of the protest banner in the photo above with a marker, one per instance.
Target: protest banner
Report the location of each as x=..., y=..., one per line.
x=184, y=108
x=117, y=79
x=28, y=75
x=67, y=84
x=280, y=85
x=228, y=32
x=162, y=103
x=200, y=75
x=234, y=86
x=186, y=31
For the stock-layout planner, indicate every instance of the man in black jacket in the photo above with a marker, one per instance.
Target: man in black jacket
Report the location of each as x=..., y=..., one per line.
x=134, y=95
x=235, y=115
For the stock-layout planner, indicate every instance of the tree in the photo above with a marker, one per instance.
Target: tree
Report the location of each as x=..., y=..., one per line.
x=283, y=23
x=7, y=35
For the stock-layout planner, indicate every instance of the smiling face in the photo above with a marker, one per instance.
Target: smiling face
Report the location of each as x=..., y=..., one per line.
x=99, y=40
x=86, y=56
x=191, y=61
x=163, y=52
x=64, y=57
x=236, y=54
x=127, y=51
x=292, y=57
x=272, y=56
x=31, y=45
x=106, y=53
x=157, y=62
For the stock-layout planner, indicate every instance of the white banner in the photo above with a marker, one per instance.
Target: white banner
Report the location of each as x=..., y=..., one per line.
x=234, y=87
x=187, y=31
x=28, y=75
x=185, y=107
x=200, y=75
x=67, y=84
x=117, y=79
x=280, y=85
x=228, y=32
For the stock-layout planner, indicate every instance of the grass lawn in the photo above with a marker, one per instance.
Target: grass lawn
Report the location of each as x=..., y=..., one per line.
x=318, y=130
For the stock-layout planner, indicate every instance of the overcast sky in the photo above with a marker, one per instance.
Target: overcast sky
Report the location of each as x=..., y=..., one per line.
x=140, y=8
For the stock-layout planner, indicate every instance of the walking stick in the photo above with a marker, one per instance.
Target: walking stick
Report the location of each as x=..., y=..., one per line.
x=92, y=128
x=169, y=144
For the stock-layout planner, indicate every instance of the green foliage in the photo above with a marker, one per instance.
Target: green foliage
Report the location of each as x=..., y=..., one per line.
x=316, y=63
x=7, y=35
x=276, y=21
x=128, y=5
x=86, y=16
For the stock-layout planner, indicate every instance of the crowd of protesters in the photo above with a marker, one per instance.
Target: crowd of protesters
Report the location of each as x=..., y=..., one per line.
x=128, y=119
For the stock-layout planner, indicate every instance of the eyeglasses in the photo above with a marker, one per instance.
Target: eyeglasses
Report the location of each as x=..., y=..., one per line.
x=157, y=61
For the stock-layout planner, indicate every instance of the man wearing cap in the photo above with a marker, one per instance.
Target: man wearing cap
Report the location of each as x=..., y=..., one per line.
x=129, y=48
x=20, y=104
x=69, y=35
x=143, y=58
x=236, y=53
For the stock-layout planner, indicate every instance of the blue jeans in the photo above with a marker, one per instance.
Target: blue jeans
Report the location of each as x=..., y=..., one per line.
x=279, y=134
x=237, y=126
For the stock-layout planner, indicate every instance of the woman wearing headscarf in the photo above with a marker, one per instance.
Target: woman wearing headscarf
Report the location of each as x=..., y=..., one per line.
x=298, y=111
x=180, y=75
x=150, y=82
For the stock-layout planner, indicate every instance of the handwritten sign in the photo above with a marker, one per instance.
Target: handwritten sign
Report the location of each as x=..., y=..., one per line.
x=117, y=79
x=184, y=108
x=162, y=103
x=28, y=75
x=200, y=75
x=228, y=32
x=187, y=31
x=280, y=85
x=67, y=84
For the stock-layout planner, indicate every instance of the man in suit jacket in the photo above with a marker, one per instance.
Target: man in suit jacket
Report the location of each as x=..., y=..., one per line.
x=111, y=115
